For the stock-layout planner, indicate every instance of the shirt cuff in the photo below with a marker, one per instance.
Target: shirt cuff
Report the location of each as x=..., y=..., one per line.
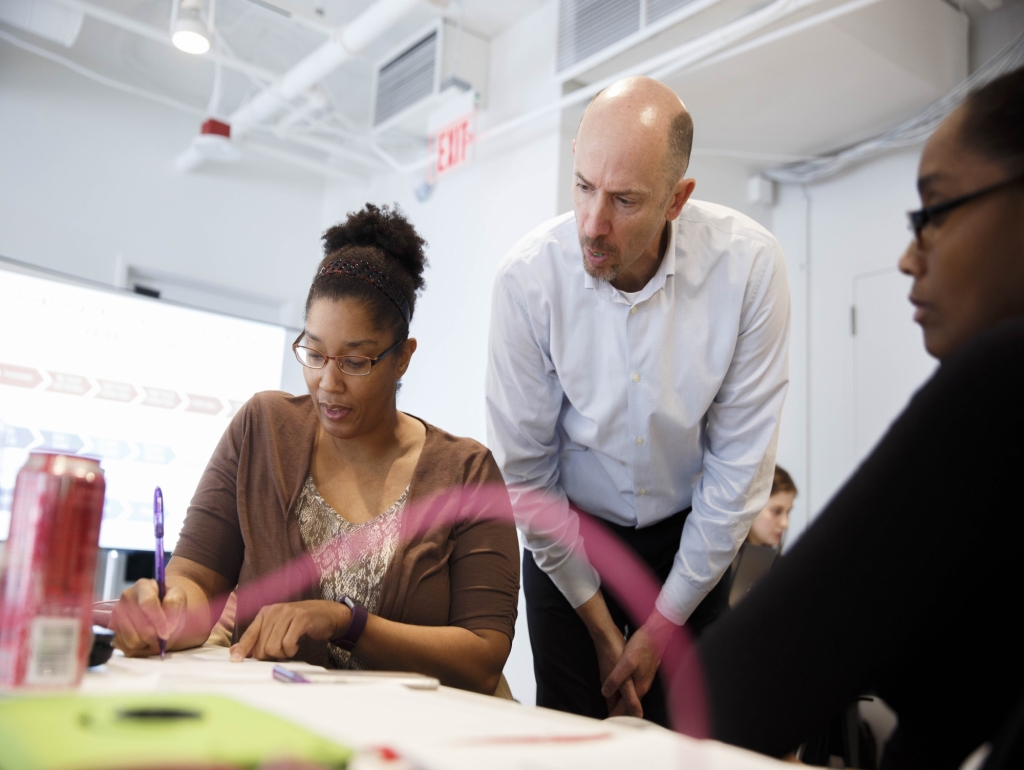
x=575, y=578
x=678, y=599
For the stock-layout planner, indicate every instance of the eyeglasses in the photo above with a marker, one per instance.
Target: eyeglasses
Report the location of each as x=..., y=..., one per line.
x=359, y=366
x=920, y=218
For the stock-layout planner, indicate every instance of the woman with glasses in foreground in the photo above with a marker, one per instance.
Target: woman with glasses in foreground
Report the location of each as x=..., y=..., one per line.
x=908, y=583
x=407, y=580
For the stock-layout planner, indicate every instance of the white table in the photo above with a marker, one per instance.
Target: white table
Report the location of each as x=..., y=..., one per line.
x=433, y=729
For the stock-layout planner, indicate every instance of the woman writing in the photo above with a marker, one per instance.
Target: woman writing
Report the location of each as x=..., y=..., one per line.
x=408, y=578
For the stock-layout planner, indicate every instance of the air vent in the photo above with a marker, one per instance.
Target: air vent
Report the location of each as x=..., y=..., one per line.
x=659, y=9
x=587, y=26
x=406, y=79
x=426, y=69
x=592, y=31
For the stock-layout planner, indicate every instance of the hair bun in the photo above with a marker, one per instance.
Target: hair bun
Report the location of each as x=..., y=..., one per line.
x=384, y=228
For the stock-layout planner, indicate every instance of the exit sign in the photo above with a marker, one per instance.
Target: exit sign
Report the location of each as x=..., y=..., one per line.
x=453, y=144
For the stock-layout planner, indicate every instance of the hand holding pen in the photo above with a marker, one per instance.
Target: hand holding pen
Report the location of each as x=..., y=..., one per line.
x=150, y=615
x=158, y=526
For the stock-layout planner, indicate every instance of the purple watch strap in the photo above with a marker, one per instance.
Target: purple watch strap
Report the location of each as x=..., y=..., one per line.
x=349, y=639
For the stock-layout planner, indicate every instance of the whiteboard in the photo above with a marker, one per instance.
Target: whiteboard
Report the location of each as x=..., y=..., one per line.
x=143, y=385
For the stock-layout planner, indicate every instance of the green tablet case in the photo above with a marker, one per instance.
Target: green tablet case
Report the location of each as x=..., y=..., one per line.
x=151, y=731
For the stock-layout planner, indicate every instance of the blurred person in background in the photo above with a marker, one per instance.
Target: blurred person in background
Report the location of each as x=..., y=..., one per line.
x=770, y=525
x=763, y=545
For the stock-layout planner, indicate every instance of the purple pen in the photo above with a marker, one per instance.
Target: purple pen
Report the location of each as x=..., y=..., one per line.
x=158, y=526
x=283, y=674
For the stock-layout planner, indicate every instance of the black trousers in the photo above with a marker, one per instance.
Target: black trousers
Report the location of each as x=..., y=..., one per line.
x=564, y=659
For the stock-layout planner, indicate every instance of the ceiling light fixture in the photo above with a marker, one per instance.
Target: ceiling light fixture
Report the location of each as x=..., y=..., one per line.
x=188, y=33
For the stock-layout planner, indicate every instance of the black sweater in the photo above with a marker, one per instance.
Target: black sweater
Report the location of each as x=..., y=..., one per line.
x=908, y=582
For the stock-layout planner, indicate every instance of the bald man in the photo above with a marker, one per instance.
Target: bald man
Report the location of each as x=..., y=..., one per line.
x=637, y=365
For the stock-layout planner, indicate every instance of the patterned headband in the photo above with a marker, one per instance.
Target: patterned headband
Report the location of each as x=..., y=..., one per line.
x=371, y=275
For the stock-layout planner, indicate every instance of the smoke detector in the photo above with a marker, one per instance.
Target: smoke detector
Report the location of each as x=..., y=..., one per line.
x=213, y=143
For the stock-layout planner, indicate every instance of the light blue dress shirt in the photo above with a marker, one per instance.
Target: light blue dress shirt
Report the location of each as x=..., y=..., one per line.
x=636, y=406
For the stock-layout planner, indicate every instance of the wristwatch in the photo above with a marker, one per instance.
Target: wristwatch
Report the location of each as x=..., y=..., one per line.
x=349, y=639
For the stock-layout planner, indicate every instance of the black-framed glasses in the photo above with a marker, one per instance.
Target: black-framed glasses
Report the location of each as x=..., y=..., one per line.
x=921, y=217
x=359, y=366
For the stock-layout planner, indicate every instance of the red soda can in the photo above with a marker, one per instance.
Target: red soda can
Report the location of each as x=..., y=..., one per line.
x=47, y=587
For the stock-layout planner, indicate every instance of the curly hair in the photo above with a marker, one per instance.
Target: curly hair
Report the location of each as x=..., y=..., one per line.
x=383, y=239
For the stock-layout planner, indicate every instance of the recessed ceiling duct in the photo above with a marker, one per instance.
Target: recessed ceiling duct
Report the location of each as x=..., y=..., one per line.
x=590, y=31
x=406, y=79
x=588, y=26
x=429, y=68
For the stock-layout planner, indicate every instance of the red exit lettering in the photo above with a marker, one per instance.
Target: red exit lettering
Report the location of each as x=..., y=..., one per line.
x=453, y=145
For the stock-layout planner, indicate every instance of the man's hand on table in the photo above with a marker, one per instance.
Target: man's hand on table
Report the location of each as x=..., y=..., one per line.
x=609, y=644
x=277, y=629
x=139, y=619
x=641, y=657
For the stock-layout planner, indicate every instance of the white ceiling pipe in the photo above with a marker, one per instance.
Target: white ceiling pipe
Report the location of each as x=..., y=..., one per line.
x=295, y=160
x=161, y=35
x=345, y=44
x=297, y=14
x=314, y=104
x=192, y=156
x=332, y=149
x=770, y=37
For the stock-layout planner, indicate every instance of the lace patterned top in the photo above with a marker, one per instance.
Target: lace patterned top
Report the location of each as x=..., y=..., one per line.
x=351, y=557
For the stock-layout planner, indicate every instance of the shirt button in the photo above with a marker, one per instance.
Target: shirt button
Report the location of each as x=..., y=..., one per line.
x=632, y=310
x=636, y=376
x=643, y=491
x=639, y=440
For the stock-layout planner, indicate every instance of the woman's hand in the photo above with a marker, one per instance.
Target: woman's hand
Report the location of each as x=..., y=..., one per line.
x=275, y=633
x=139, y=619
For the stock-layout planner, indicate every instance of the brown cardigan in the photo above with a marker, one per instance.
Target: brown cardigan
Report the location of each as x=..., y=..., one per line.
x=462, y=569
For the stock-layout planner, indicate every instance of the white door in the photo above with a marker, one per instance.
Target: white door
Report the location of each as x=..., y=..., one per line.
x=889, y=359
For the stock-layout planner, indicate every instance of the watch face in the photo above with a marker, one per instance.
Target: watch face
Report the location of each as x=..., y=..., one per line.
x=348, y=602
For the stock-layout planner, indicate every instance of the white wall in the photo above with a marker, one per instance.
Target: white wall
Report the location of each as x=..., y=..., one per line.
x=724, y=180
x=842, y=239
x=88, y=176
x=790, y=226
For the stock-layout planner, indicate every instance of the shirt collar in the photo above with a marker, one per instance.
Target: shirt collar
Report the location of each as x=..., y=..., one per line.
x=667, y=267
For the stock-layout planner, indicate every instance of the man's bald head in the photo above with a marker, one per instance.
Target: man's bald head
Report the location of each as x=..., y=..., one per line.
x=629, y=155
x=648, y=112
